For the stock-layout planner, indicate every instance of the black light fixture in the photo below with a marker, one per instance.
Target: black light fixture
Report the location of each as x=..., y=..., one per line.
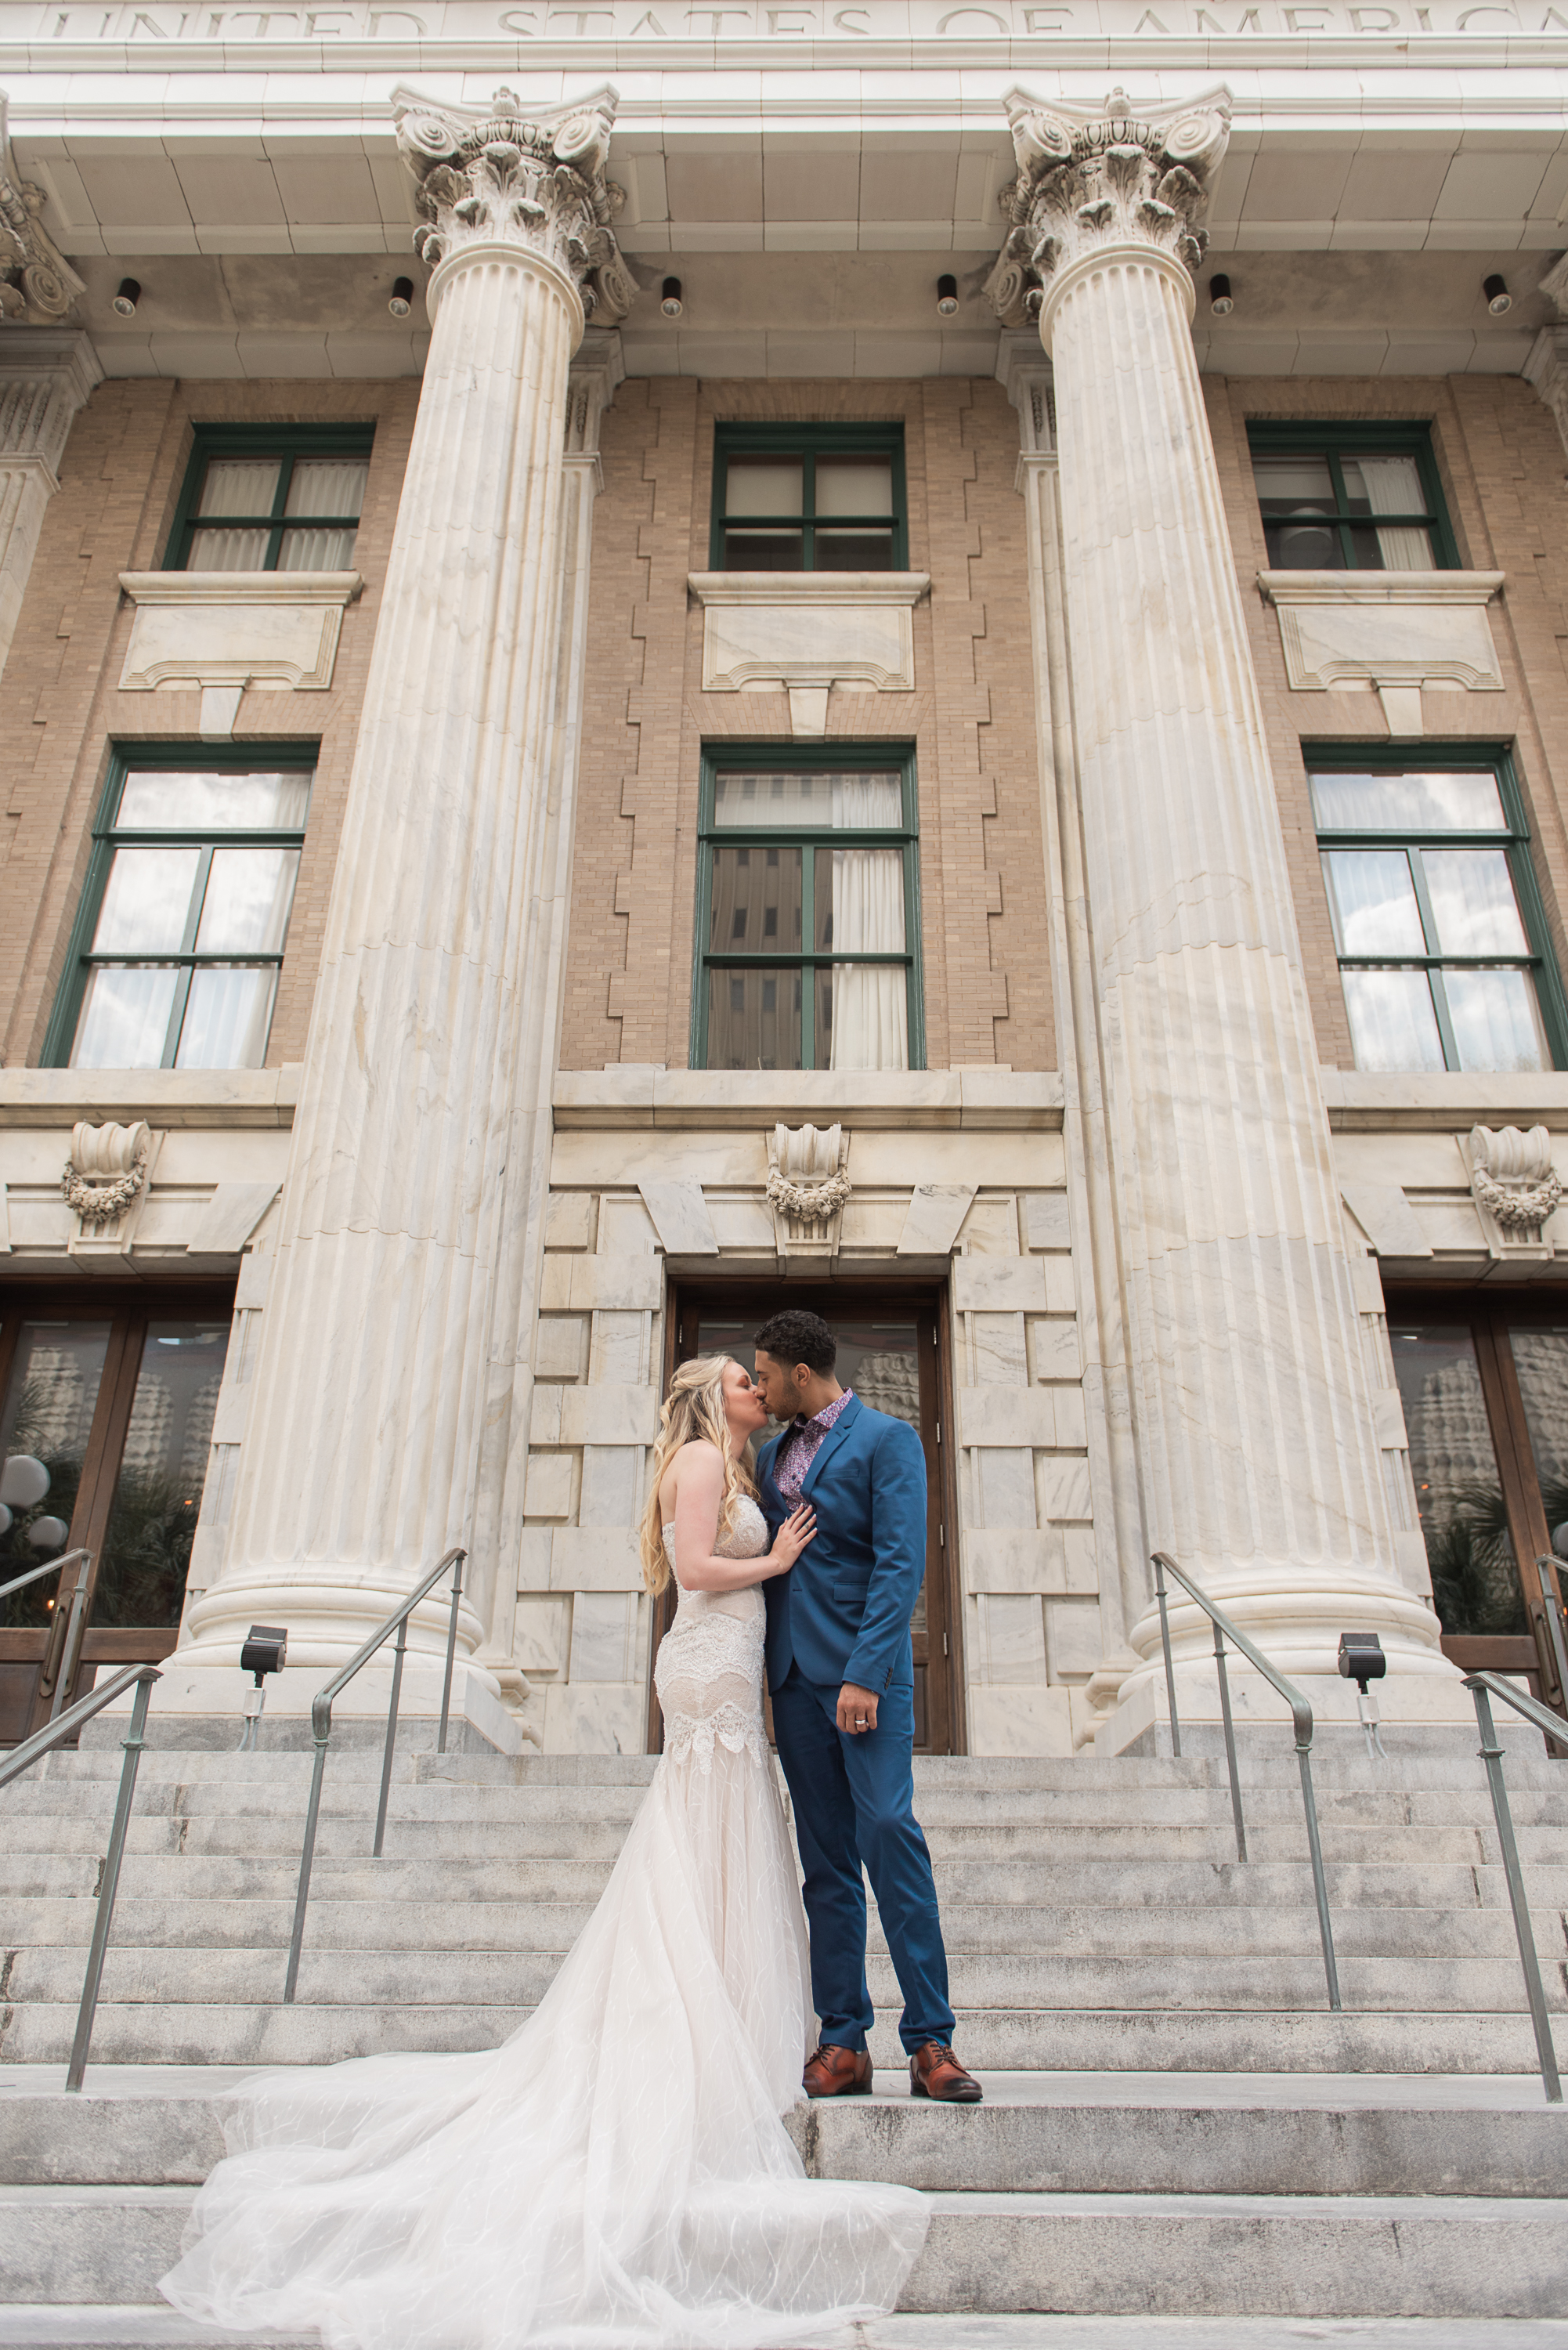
x=126, y=299
x=1499, y=300
x=1222, y=301
x=1361, y=1660
x=947, y=297
x=669, y=299
x=264, y=1650
x=403, y=300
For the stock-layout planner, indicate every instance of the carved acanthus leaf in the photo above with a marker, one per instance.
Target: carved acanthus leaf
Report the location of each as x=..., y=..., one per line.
x=37, y=282
x=513, y=175
x=1112, y=175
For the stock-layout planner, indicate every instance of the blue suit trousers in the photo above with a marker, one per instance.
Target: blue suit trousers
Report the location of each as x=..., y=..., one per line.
x=854, y=1804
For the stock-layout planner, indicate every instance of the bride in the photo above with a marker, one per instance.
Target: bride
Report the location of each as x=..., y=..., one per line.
x=616, y=2175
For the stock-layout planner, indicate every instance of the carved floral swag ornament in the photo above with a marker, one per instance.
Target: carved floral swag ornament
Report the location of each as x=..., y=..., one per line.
x=106, y=1169
x=516, y=176
x=1512, y=1177
x=792, y=1152
x=1089, y=179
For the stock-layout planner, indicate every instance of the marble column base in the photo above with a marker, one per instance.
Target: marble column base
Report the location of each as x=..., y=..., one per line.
x=1140, y=1722
x=206, y=1708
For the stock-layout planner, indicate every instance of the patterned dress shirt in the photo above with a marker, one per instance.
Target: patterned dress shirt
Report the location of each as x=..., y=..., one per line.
x=802, y=1442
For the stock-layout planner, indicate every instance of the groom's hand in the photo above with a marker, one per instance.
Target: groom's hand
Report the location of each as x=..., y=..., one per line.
x=856, y=1709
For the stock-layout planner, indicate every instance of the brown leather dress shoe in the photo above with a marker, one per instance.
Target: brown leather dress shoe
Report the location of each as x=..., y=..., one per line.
x=839, y=2072
x=935, y=2072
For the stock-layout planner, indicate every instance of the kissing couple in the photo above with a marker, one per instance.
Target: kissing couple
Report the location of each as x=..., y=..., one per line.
x=616, y=2176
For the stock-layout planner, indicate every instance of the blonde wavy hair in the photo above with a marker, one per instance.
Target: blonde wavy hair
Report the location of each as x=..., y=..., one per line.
x=693, y=1413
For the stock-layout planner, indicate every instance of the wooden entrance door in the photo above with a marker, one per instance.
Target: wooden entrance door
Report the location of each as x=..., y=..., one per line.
x=891, y=1352
x=116, y=1400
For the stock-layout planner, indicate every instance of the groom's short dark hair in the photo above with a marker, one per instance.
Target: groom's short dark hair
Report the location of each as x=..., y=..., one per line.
x=796, y=1336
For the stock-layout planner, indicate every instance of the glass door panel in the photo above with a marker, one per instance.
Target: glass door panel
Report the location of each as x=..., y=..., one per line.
x=51, y=1396
x=1459, y=1485
x=141, y=1576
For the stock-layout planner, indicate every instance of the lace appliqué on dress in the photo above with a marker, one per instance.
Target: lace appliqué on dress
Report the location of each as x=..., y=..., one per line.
x=709, y=1678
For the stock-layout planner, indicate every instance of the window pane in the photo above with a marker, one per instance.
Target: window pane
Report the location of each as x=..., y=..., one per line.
x=158, y=1494
x=1458, y=1492
x=854, y=550
x=1371, y=900
x=249, y=893
x=765, y=485
x=1383, y=485
x=125, y=1017
x=146, y=901
x=316, y=550
x=814, y=801
x=48, y=1410
x=850, y=485
x=753, y=1019
x=1496, y=1021
x=862, y=1018
x=227, y=550
x=328, y=485
x=227, y=1018
x=1286, y=484
x=861, y=904
x=197, y=802
x=1541, y=1358
x=1472, y=897
x=1392, y=1022
x=1391, y=550
x=764, y=550
x=756, y=900
x=1411, y=802
x=239, y=485
x=1296, y=495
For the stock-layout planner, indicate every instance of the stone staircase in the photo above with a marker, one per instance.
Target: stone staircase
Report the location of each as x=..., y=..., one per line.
x=1175, y=2123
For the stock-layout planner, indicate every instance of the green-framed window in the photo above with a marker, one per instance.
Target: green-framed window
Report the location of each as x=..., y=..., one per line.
x=809, y=497
x=283, y=498
x=1351, y=497
x=808, y=910
x=182, y=928
x=1436, y=917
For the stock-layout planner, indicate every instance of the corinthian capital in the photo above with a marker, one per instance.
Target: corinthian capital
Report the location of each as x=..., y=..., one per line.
x=1093, y=177
x=509, y=176
x=36, y=282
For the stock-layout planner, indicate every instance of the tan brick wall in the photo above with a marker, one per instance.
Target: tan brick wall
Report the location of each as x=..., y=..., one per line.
x=984, y=948
x=62, y=709
x=1502, y=468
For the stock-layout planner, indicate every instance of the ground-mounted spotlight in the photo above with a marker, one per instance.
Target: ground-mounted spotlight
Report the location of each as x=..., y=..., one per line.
x=1499, y=300
x=264, y=1651
x=947, y=297
x=126, y=299
x=1222, y=301
x=1361, y=1660
x=669, y=300
x=403, y=300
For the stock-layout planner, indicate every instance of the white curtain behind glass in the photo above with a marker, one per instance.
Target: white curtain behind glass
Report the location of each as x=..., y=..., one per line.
x=870, y=1004
x=1394, y=486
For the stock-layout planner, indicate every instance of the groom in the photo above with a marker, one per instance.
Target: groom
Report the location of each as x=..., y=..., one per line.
x=841, y=1672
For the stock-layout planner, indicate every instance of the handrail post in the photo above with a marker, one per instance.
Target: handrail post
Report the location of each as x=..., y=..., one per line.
x=1229, y=1743
x=1164, y=1644
x=70, y=1655
x=391, y=1737
x=450, y=1649
x=1492, y=1755
x=133, y=1742
x=322, y=1731
x=1319, y=1882
x=1547, y=1573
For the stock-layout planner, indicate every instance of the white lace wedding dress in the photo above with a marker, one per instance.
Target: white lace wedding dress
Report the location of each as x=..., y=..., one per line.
x=616, y=2177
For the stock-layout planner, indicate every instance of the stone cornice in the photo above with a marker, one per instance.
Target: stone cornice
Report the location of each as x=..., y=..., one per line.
x=809, y=587
x=638, y=1094
x=208, y=587
x=1365, y=1101
x=164, y=1097
x=1287, y=587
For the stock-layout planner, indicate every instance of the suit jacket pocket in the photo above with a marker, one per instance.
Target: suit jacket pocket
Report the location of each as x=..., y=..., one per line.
x=850, y=1595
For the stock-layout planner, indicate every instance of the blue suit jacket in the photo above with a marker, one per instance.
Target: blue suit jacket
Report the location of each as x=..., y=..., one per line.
x=843, y=1612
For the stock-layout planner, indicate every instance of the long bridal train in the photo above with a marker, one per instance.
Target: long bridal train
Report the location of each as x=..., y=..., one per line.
x=616, y=2177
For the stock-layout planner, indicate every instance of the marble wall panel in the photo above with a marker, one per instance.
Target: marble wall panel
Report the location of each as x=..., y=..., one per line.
x=1020, y=1721
x=1073, y=1638
x=1046, y=1221
x=604, y=1637
x=603, y=1415
x=1080, y=1559
x=569, y=1220
x=626, y=1228
x=533, y=1557
x=1063, y=1486
x=612, y=1485
x=561, y=1345
x=997, y=1355
x=594, y=1558
x=1009, y=1639
x=1054, y=1351
x=542, y=1628
x=1003, y=1487
x=1009, y=1415
x=1013, y=1559
x=548, y=1491
x=621, y=1347
x=991, y=1227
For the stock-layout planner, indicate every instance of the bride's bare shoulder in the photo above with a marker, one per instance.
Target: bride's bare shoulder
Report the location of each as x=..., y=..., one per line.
x=697, y=1468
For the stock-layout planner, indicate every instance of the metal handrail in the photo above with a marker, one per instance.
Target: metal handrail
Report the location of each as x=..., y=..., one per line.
x=32, y=1750
x=61, y=1656
x=321, y=1730
x=1301, y=1715
x=1484, y=1688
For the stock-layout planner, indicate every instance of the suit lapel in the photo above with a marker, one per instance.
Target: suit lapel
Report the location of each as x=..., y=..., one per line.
x=830, y=1444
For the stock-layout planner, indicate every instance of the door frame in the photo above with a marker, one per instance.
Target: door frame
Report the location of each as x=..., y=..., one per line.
x=928, y=1302
x=128, y=1316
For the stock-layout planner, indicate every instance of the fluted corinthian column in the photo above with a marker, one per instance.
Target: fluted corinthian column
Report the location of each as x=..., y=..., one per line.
x=45, y=374
x=1252, y=1404
x=363, y=1441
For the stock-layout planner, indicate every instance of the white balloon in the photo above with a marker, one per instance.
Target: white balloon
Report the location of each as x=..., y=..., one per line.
x=22, y=1480
x=5, y=1519
x=47, y=1534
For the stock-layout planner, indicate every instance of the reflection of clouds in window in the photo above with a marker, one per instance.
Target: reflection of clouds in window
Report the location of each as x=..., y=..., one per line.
x=1392, y=1022
x=1496, y=1021
x=1373, y=901
x=1472, y=898
x=1411, y=802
